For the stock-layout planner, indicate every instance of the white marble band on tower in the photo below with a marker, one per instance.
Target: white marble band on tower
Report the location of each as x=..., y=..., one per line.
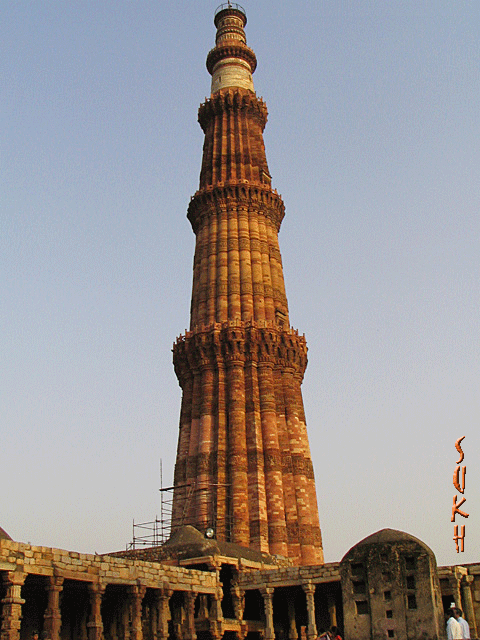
x=231, y=63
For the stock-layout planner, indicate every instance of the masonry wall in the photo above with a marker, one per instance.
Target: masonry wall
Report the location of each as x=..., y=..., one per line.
x=20, y=557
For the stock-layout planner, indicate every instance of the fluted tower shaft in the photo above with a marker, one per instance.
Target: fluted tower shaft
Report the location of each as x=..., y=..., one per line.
x=243, y=461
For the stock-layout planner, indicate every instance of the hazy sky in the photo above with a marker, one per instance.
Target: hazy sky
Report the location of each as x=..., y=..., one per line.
x=373, y=142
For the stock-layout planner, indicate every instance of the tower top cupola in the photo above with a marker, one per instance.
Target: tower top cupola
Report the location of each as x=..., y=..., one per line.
x=231, y=63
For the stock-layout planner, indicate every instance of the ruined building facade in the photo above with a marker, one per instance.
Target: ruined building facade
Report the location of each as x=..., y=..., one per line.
x=244, y=561
x=386, y=586
x=243, y=464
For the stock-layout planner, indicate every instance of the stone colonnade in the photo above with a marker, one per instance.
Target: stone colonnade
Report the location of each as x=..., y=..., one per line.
x=297, y=602
x=290, y=616
x=100, y=611
x=70, y=596
x=135, y=612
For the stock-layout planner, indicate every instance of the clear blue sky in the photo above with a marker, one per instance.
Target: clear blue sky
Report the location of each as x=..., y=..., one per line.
x=372, y=141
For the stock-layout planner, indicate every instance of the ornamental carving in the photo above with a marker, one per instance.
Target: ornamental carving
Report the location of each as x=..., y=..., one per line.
x=273, y=460
x=305, y=533
x=254, y=244
x=277, y=533
x=287, y=463
x=268, y=290
x=234, y=287
x=204, y=463
x=258, y=529
x=292, y=532
x=238, y=461
x=253, y=460
x=298, y=464
x=244, y=343
x=222, y=288
x=309, y=469
x=236, y=100
x=247, y=288
x=317, y=536
x=258, y=288
x=262, y=201
x=275, y=254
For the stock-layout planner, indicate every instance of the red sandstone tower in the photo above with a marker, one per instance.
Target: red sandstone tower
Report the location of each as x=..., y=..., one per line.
x=243, y=463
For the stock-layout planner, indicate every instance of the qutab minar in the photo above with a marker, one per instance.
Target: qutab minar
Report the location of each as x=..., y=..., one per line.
x=243, y=467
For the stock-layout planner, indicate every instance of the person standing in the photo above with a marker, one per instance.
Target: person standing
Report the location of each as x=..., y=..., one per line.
x=463, y=623
x=454, y=630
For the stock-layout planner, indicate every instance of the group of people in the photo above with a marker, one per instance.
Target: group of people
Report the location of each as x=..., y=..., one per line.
x=333, y=634
x=457, y=627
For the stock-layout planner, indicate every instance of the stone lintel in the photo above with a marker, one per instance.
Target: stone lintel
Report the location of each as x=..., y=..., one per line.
x=187, y=562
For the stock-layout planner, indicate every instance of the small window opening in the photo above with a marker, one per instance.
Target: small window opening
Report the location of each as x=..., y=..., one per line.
x=389, y=613
x=387, y=595
x=410, y=582
x=359, y=587
x=362, y=607
x=357, y=568
x=411, y=602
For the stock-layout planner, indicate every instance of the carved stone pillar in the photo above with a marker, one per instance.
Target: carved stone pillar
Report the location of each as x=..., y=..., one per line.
x=469, y=612
x=153, y=621
x=189, y=632
x=203, y=612
x=332, y=609
x=12, y=605
x=292, y=624
x=267, y=595
x=52, y=617
x=163, y=613
x=178, y=617
x=95, y=622
x=136, y=594
x=455, y=585
x=238, y=599
x=309, y=590
x=216, y=615
x=113, y=630
x=125, y=618
x=82, y=626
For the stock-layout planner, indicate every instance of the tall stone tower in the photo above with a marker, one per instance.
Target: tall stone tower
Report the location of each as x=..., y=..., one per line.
x=243, y=463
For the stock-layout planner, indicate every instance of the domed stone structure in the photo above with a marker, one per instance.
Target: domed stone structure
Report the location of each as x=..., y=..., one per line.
x=390, y=588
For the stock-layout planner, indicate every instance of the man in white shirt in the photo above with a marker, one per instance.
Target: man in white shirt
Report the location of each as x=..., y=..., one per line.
x=454, y=630
x=463, y=623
